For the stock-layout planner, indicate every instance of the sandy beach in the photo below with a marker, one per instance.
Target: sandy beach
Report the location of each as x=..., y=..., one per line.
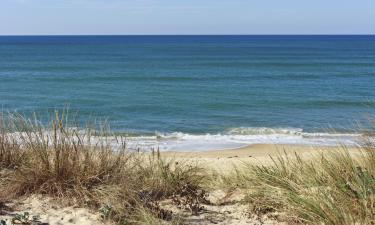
x=226, y=160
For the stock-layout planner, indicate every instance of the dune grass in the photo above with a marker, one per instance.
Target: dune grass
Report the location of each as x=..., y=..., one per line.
x=76, y=166
x=332, y=188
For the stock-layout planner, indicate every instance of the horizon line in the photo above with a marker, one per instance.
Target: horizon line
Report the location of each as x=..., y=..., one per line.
x=24, y=35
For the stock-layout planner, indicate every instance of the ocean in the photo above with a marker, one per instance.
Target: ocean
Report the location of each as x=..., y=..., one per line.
x=197, y=92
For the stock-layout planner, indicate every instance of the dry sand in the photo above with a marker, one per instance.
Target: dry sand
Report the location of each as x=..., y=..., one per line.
x=49, y=212
x=260, y=154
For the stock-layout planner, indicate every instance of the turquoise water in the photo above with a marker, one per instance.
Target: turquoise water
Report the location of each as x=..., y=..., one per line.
x=243, y=87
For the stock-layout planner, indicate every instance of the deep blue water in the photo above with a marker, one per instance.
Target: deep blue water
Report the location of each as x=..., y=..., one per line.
x=193, y=84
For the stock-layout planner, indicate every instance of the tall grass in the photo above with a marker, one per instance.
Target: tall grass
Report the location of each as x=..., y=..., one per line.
x=81, y=165
x=333, y=188
x=11, y=153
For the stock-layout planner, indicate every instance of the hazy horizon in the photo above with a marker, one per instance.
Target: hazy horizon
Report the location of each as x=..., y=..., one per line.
x=167, y=17
x=36, y=35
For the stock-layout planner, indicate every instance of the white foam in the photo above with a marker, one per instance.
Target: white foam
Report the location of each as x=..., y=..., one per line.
x=233, y=138
x=239, y=137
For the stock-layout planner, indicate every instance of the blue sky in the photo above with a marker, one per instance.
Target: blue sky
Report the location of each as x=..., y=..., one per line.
x=22, y=17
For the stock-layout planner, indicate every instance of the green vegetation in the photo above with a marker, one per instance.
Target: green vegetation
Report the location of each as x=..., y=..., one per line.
x=332, y=188
x=23, y=219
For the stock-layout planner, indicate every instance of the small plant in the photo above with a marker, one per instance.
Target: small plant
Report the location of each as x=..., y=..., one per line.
x=190, y=197
x=25, y=219
x=105, y=211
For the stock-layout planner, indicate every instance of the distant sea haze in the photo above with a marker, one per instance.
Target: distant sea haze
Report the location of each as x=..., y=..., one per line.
x=197, y=92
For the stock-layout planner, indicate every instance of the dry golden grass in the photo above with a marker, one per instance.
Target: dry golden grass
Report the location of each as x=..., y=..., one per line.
x=74, y=165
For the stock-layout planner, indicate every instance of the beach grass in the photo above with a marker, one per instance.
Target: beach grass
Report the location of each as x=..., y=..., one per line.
x=330, y=188
x=74, y=166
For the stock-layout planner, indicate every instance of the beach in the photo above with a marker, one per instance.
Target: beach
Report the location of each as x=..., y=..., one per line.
x=187, y=129
x=69, y=176
x=162, y=112
x=225, y=161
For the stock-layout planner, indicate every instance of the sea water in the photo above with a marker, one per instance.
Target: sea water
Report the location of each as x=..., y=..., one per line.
x=197, y=92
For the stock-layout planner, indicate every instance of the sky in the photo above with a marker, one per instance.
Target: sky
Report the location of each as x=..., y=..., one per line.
x=126, y=17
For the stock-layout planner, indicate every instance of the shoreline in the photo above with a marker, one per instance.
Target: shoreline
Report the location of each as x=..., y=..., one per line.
x=184, y=142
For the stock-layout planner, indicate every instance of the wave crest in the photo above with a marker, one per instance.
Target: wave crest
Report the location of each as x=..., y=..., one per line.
x=243, y=136
x=264, y=131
